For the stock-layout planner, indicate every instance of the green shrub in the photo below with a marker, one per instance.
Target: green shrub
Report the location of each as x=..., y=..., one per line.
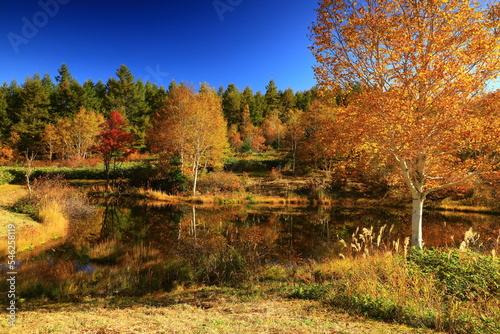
x=6, y=177
x=465, y=275
x=310, y=291
x=27, y=206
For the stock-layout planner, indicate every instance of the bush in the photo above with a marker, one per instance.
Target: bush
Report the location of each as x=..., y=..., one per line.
x=462, y=274
x=220, y=182
x=310, y=291
x=6, y=177
x=224, y=266
x=316, y=189
x=48, y=191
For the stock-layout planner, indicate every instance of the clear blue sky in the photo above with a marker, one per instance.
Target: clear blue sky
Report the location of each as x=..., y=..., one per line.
x=245, y=42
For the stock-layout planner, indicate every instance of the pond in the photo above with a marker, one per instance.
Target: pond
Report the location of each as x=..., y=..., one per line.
x=134, y=248
x=284, y=234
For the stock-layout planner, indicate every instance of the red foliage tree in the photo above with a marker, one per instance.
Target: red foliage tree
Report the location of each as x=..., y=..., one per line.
x=115, y=142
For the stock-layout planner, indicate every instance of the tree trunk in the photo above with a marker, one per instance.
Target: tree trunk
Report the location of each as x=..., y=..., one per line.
x=416, y=222
x=106, y=168
x=196, y=163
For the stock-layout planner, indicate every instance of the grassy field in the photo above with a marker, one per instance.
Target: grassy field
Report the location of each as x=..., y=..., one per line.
x=196, y=310
x=9, y=194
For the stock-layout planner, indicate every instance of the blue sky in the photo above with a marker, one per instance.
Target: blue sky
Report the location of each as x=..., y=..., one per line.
x=245, y=42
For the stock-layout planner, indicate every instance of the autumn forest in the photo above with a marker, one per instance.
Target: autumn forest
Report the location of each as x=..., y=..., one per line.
x=252, y=196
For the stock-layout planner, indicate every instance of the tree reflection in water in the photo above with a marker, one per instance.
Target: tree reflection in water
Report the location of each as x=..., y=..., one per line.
x=277, y=235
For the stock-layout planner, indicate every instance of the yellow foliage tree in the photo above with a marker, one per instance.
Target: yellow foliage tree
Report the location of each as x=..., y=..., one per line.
x=73, y=137
x=420, y=65
x=191, y=126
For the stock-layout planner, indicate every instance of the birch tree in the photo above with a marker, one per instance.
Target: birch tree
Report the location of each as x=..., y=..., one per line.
x=191, y=126
x=420, y=64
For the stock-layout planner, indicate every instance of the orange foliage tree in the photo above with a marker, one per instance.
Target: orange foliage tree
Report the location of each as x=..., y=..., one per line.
x=191, y=126
x=420, y=65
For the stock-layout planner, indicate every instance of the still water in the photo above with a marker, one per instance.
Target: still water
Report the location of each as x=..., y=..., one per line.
x=134, y=248
x=281, y=234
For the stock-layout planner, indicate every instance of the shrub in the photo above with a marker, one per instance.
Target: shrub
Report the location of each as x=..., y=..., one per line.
x=220, y=182
x=309, y=291
x=6, y=177
x=465, y=275
x=316, y=189
x=52, y=194
x=222, y=266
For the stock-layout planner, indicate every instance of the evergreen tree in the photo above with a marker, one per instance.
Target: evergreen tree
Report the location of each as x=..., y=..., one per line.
x=288, y=101
x=155, y=98
x=32, y=113
x=13, y=101
x=172, y=87
x=260, y=106
x=90, y=99
x=304, y=99
x=4, y=116
x=273, y=98
x=101, y=91
x=220, y=91
x=67, y=98
x=248, y=100
x=231, y=104
x=127, y=97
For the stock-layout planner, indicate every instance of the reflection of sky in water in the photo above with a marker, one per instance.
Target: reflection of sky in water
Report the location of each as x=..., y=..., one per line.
x=87, y=267
x=4, y=267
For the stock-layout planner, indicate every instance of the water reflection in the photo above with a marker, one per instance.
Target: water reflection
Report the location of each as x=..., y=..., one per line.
x=284, y=235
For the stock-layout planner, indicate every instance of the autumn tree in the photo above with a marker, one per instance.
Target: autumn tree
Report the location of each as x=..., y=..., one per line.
x=115, y=142
x=84, y=132
x=234, y=137
x=72, y=137
x=326, y=142
x=420, y=65
x=273, y=128
x=191, y=126
x=50, y=140
x=128, y=97
x=295, y=133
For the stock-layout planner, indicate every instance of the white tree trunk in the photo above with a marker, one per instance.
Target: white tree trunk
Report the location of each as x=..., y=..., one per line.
x=196, y=165
x=416, y=222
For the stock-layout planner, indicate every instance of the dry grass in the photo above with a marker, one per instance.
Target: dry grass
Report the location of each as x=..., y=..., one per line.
x=53, y=225
x=10, y=193
x=54, y=222
x=56, y=203
x=236, y=198
x=212, y=311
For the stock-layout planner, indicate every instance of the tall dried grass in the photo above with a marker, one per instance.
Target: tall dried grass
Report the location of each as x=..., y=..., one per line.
x=377, y=277
x=56, y=205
